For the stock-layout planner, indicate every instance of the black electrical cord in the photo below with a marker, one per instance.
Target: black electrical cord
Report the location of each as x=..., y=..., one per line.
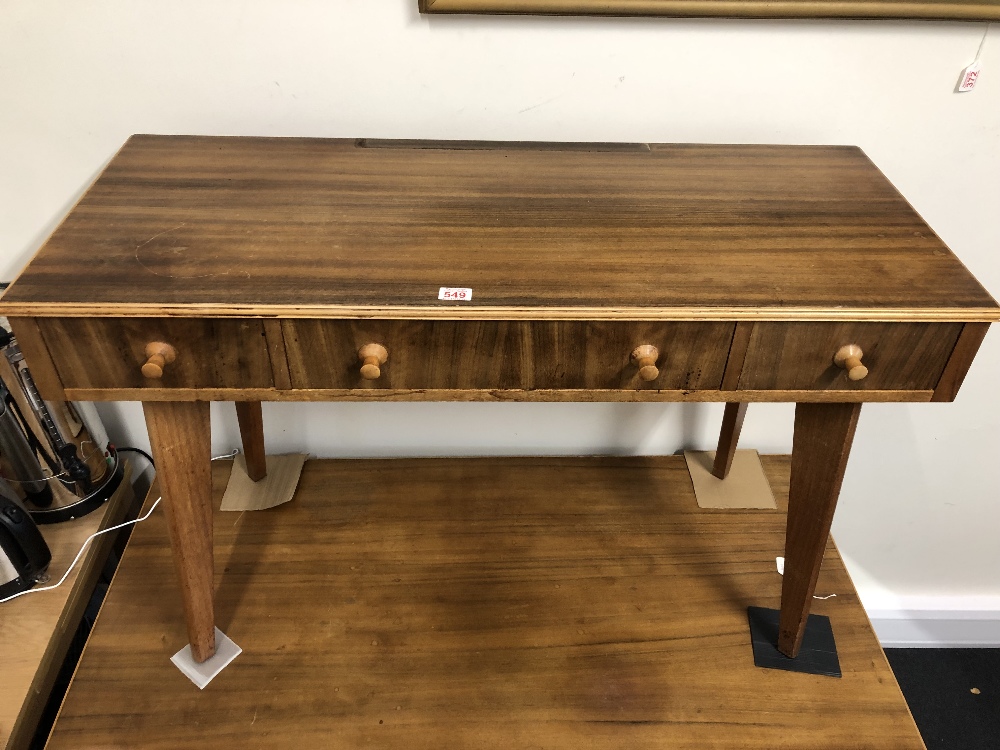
x=140, y=452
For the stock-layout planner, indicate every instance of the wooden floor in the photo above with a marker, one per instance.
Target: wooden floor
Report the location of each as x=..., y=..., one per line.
x=481, y=603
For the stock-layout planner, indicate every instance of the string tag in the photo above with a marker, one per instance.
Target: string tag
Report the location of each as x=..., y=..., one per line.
x=971, y=74
x=969, y=77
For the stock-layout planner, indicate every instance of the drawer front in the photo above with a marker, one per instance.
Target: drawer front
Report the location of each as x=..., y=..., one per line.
x=466, y=354
x=110, y=352
x=800, y=356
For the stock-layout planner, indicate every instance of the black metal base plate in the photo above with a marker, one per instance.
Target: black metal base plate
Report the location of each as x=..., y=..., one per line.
x=818, y=654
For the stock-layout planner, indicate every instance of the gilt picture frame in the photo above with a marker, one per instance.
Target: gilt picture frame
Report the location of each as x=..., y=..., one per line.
x=955, y=10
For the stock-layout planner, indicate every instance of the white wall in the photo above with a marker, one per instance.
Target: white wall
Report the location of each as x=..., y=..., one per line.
x=919, y=510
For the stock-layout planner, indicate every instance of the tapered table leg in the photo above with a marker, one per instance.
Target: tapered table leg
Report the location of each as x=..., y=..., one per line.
x=248, y=413
x=732, y=424
x=180, y=435
x=820, y=448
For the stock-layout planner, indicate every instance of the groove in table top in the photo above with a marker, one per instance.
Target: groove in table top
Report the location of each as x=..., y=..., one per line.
x=502, y=603
x=184, y=225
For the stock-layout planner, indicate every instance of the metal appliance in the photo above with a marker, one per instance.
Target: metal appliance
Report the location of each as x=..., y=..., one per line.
x=55, y=455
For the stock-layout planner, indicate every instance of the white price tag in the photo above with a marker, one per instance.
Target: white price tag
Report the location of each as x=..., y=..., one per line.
x=969, y=77
x=455, y=294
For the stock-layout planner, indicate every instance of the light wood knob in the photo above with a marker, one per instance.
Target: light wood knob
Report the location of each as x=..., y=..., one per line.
x=644, y=357
x=372, y=356
x=158, y=355
x=849, y=357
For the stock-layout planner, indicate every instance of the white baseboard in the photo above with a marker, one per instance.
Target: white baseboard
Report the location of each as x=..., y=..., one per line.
x=944, y=627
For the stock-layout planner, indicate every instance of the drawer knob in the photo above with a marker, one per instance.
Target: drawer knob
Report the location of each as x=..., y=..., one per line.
x=372, y=356
x=849, y=357
x=158, y=355
x=644, y=357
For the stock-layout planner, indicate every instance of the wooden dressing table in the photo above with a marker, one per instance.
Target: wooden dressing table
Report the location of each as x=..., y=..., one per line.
x=202, y=269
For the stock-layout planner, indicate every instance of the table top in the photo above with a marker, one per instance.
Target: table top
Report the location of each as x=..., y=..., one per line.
x=297, y=227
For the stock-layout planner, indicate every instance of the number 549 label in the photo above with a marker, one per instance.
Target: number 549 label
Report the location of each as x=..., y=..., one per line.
x=454, y=294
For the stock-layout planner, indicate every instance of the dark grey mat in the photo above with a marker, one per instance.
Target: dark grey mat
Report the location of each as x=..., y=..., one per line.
x=938, y=685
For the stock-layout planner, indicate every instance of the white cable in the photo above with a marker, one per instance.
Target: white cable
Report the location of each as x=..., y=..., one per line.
x=90, y=538
x=79, y=554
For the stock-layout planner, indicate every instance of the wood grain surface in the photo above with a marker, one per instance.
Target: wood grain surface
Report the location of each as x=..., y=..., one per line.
x=110, y=352
x=251, y=421
x=38, y=357
x=206, y=226
x=729, y=438
x=506, y=355
x=482, y=603
x=180, y=437
x=102, y=358
x=737, y=355
x=276, y=350
x=820, y=448
x=907, y=356
x=960, y=361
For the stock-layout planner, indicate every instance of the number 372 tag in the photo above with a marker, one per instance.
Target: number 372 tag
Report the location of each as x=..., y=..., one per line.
x=454, y=294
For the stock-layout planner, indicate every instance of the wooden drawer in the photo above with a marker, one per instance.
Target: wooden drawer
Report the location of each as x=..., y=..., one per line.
x=799, y=356
x=467, y=354
x=110, y=352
